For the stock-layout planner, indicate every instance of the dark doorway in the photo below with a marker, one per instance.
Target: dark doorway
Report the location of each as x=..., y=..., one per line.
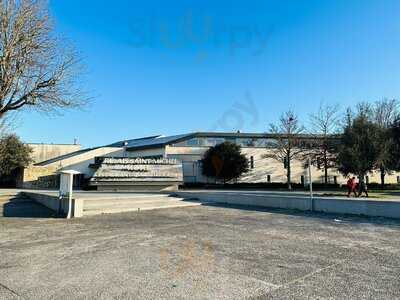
x=12, y=180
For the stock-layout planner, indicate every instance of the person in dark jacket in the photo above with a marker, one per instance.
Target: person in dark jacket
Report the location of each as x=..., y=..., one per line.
x=362, y=187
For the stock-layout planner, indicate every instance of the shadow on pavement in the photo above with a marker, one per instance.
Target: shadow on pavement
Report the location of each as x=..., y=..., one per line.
x=18, y=207
x=330, y=217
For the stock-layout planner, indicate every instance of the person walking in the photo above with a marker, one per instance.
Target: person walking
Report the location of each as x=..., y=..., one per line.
x=362, y=187
x=351, y=186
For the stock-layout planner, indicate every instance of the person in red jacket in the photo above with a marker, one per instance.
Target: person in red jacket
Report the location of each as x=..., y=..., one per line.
x=351, y=187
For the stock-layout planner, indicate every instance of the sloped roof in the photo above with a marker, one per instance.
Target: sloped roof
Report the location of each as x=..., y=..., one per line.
x=158, y=141
x=64, y=156
x=133, y=141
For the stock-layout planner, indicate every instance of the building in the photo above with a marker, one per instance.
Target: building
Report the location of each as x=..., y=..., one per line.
x=42, y=152
x=188, y=149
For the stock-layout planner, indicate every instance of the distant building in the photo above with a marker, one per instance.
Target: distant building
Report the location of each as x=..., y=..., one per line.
x=187, y=149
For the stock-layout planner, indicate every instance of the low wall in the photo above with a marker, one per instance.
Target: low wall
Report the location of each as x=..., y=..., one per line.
x=373, y=208
x=56, y=204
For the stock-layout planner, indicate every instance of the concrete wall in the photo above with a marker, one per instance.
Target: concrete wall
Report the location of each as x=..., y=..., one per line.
x=59, y=206
x=43, y=152
x=42, y=176
x=373, y=208
x=39, y=177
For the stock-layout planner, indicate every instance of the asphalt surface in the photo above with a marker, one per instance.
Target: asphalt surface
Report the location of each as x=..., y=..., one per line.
x=206, y=252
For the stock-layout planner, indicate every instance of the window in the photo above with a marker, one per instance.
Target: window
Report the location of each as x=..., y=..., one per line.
x=319, y=163
x=231, y=140
x=245, y=142
x=194, y=142
x=242, y=141
x=268, y=143
x=211, y=142
x=200, y=142
x=398, y=179
x=269, y=178
x=285, y=163
x=302, y=180
x=252, y=162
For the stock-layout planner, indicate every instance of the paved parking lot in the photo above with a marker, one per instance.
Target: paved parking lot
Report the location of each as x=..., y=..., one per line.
x=206, y=252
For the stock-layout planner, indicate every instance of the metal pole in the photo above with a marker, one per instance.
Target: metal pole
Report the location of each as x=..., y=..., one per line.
x=311, y=189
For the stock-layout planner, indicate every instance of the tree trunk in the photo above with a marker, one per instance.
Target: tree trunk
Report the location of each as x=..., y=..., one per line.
x=325, y=168
x=362, y=177
x=383, y=173
x=288, y=174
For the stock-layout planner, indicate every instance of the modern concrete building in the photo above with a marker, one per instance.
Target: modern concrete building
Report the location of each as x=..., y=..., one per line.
x=188, y=149
x=42, y=152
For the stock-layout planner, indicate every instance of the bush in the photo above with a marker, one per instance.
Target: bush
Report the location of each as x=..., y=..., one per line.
x=225, y=162
x=14, y=155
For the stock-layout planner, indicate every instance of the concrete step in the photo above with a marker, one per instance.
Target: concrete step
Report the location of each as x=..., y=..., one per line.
x=117, y=204
x=126, y=201
x=140, y=207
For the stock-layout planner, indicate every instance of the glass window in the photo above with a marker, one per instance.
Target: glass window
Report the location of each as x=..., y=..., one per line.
x=210, y=142
x=270, y=143
x=213, y=141
x=193, y=142
x=252, y=162
x=246, y=142
x=230, y=139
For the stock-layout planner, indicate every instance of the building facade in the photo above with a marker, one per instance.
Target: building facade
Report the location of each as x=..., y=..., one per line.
x=189, y=150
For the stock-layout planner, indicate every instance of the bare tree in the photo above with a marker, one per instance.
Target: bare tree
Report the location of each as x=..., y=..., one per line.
x=36, y=67
x=385, y=112
x=365, y=110
x=324, y=127
x=288, y=143
x=8, y=124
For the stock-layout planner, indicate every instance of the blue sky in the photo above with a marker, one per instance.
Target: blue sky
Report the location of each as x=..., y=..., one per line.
x=177, y=66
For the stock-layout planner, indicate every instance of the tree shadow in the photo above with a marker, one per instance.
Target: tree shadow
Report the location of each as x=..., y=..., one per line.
x=19, y=207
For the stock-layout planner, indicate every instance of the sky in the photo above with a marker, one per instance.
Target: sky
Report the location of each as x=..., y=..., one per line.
x=171, y=67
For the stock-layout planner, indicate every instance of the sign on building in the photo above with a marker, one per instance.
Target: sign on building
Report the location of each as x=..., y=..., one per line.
x=120, y=173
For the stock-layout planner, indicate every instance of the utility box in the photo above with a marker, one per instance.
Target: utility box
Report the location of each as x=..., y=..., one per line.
x=68, y=205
